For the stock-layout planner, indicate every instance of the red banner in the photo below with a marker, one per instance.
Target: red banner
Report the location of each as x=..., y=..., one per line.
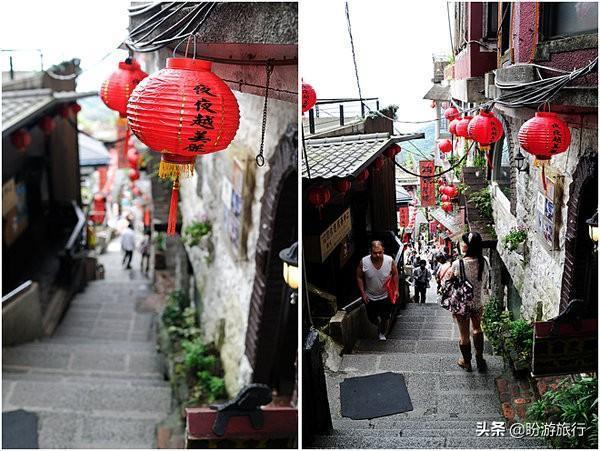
x=402, y=216
x=427, y=167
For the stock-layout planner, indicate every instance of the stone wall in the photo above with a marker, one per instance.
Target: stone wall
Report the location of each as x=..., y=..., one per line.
x=537, y=273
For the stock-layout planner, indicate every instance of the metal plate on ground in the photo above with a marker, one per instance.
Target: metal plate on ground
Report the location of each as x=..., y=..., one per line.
x=19, y=430
x=374, y=396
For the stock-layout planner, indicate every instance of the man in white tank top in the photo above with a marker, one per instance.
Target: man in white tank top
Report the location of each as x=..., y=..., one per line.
x=372, y=273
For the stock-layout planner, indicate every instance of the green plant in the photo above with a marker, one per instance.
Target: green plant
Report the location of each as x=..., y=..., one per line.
x=518, y=342
x=571, y=403
x=515, y=237
x=479, y=160
x=160, y=241
x=494, y=322
x=193, y=233
x=482, y=199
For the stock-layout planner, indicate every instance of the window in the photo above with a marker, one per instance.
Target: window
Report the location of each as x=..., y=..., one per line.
x=501, y=165
x=569, y=18
x=505, y=26
x=490, y=21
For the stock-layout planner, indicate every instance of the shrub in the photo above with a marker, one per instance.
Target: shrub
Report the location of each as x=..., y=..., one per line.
x=515, y=237
x=193, y=233
x=493, y=323
x=482, y=199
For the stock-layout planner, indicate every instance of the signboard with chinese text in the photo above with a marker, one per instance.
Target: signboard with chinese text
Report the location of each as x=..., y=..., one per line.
x=427, y=168
x=547, y=211
x=335, y=234
x=403, y=216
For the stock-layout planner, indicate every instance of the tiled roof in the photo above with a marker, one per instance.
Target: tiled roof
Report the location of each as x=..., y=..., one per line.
x=92, y=152
x=438, y=92
x=346, y=156
x=19, y=106
x=402, y=196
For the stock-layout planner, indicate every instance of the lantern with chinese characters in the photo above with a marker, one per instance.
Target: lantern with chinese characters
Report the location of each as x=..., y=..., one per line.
x=485, y=129
x=21, y=139
x=452, y=126
x=392, y=151
x=133, y=158
x=319, y=196
x=309, y=97
x=134, y=175
x=447, y=206
x=544, y=136
x=462, y=127
x=183, y=111
x=363, y=176
x=445, y=145
x=378, y=163
x=46, y=124
x=117, y=88
x=451, y=113
x=342, y=186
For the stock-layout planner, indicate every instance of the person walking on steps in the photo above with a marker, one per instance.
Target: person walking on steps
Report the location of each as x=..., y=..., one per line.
x=128, y=245
x=372, y=273
x=421, y=277
x=475, y=266
x=145, y=251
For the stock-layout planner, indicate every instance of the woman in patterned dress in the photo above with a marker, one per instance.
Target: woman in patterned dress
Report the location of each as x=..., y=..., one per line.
x=475, y=266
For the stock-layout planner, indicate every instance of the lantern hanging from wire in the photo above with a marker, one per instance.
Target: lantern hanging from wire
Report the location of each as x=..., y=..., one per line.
x=46, y=124
x=363, y=176
x=445, y=146
x=64, y=111
x=75, y=108
x=447, y=206
x=544, y=136
x=485, y=129
x=318, y=197
x=452, y=126
x=462, y=127
x=378, y=163
x=183, y=111
x=451, y=191
x=392, y=151
x=446, y=198
x=21, y=139
x=309, y=97
x=342, y=185
x=451, y=113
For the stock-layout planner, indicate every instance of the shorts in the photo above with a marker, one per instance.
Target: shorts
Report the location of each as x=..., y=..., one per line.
x=381, y=308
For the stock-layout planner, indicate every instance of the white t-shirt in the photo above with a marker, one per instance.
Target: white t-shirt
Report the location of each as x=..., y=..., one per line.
x=128, y=240
x=375, y=278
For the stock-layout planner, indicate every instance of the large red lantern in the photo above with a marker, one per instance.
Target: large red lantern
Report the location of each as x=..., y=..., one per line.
x=133, y=158
x=183, y=111
x=544, y=136
x=21, y=139
x=451, y=113
x=452, y=126
x=309, y=97
x=392, y=151
x=342, y=186
x=445, y=145
x=117, y=88
x=46, y=124
x=447, y=206
x=134, y=175
x=485, y=129
x=363, y=176
x=462, y=128
x=378, y=163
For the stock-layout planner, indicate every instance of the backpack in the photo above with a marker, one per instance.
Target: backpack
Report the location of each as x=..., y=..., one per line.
x=457, y=294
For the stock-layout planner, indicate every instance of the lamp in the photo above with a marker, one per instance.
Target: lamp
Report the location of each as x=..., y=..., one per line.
x=593, y=227
x=291, y=273
x=521, y=162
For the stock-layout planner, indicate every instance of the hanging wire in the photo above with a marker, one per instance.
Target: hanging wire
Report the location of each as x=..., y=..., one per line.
x=353, y=52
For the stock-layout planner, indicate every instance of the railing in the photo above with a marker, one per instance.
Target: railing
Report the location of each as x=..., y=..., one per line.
x=16, y=292
x=336, y=116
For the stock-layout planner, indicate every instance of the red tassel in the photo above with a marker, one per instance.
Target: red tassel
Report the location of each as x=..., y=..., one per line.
x=172, y=224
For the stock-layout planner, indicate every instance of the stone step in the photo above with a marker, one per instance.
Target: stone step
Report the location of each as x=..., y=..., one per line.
x=84, y=377
x=412, y=346
x=106, y=398
x=423, y=424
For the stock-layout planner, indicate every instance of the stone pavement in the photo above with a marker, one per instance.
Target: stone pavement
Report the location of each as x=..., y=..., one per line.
x=97, y=382
x=448, y=402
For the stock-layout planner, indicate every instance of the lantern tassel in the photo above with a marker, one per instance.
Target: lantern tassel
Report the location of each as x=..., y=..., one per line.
x=172, y=224
x=167, y=169
x=544, y=177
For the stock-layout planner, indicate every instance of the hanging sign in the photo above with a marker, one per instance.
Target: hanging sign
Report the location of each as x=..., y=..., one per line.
x=335, y=234
x=402, y=216
x=427, y=167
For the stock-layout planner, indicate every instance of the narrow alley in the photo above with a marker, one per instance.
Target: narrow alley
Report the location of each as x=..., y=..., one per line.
x=447, y=401
x=97, y=382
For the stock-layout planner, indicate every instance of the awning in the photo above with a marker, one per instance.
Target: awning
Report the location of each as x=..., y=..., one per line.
x=92, y=153
x=347, y=156
x=438, y=92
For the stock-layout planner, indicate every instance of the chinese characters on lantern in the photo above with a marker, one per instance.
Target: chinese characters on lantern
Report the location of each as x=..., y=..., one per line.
x=556, y=138
x=403, y=216
x=204, y=119
x=427, y=168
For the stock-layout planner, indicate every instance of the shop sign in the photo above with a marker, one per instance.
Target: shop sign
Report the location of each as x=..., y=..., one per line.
x=335, y=234
x=547, y=211
x=403, y=216
x=427, y=168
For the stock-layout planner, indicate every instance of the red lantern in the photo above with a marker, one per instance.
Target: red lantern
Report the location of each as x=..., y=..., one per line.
x=21, y=139
x=451, y=113
x=462, y=128
x=363, y=176
x=134, y=175
x=445, y=145
x=309, y=97
x=133, y=158
x=543, y=136
x=342, y=186
x=446, y=198
x=75, y=108
x=447, y=206
x=392, y=151
x=451, y=191
x=378, y=163
x=205, y=119
x=64, y=111
x=319, y=196
x=452, y=126
x=117, y=88
x=46, y=124
x=485, y=129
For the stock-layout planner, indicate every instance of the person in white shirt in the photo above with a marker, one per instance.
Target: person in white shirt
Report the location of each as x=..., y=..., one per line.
x=128, y=245
x=372, y=273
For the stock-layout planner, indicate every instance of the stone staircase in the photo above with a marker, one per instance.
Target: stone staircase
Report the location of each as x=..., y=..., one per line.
x=97, y=382
x=448, y=402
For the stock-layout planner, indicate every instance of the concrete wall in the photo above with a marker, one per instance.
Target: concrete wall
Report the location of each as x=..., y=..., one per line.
x=537, y=275
x=474, y=60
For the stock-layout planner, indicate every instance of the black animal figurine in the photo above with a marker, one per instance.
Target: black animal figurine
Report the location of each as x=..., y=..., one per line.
x=247, y=403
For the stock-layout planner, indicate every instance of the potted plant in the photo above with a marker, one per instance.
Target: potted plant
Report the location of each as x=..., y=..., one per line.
x=518, y=345
x=515, y=239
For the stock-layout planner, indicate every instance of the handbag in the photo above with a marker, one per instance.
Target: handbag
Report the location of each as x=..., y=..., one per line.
x=566, y=344
x=457, y=294
x=392, y=289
